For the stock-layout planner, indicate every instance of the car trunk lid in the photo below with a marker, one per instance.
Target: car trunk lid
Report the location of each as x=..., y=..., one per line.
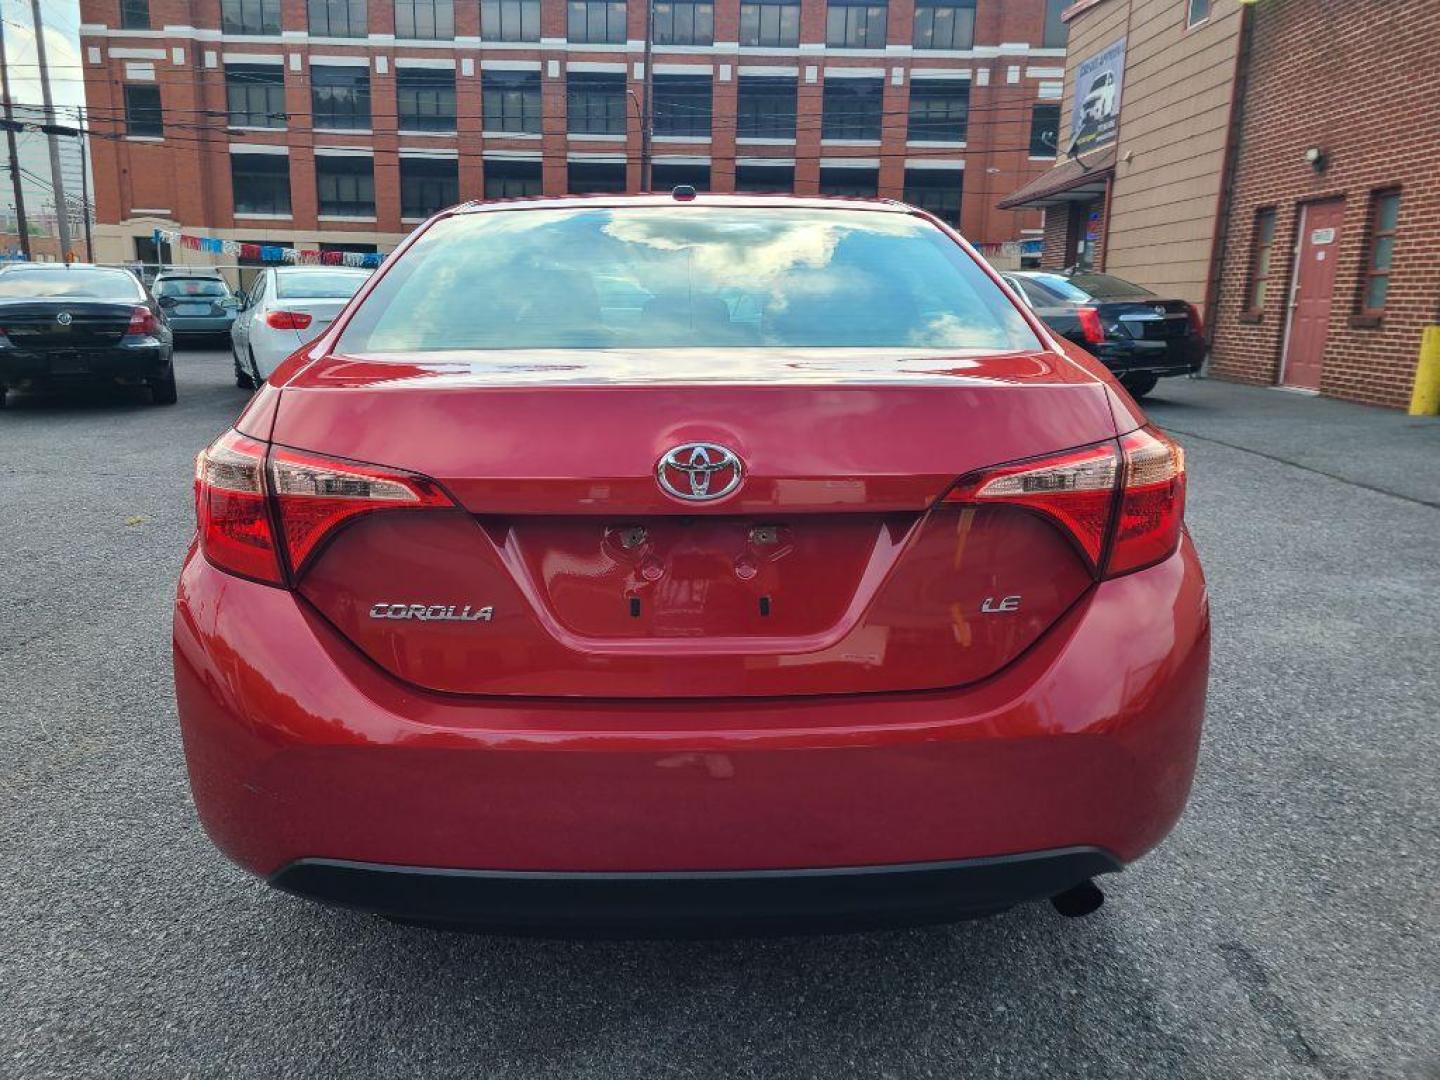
x=567, y=569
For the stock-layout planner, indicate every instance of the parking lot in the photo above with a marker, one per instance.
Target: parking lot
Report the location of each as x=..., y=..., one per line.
x=1288, y=928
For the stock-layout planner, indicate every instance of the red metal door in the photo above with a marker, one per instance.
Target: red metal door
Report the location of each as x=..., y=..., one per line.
x=1310, y=294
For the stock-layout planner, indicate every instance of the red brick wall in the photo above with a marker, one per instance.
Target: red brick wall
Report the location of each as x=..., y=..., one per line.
x=189, y=173
x=1356, y=80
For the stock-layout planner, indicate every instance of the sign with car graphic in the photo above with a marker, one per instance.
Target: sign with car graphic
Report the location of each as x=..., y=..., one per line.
x=1095, y=110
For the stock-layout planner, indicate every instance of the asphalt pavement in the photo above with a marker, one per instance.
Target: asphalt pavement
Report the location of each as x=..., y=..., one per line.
x=1288, y=928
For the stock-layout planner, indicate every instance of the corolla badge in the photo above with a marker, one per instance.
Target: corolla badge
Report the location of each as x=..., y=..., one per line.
x=699, y=472
x=431, y=612
x=64, y=318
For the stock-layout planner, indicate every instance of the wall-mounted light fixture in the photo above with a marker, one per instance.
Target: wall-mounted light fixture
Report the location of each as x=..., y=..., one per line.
x=1317, y=159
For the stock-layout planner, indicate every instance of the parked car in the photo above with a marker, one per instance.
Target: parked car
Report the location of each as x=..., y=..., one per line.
x=194, y=301
x=1140, y=336
x=823, y=588
x=64, y=324
x=284, y=308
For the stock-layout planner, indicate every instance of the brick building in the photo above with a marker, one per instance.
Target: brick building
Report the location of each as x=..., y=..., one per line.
x=1272, y=161
x=1331, y=254
x=341, y=123
x=1137, y=190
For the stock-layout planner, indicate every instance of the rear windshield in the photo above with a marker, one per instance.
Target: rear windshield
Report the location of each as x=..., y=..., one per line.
x=68, y=281
x=190, y=287
x=318, y=286
x=1105, y=287
x=662, y=277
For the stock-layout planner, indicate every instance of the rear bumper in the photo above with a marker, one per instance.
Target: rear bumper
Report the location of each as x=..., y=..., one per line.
x=300, y=749
x=120, y=362
x=679, y=902
x=1181, y=357
x=201, y=324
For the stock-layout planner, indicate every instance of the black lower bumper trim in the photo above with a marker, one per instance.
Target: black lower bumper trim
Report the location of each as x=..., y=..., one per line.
x=663, y=904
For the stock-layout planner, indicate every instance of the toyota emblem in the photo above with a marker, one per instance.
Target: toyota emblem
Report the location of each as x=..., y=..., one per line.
x=64, y=318
x=699, y=472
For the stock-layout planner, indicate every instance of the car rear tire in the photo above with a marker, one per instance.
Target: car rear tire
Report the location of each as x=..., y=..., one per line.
x=1139, y=385
x=162, y=391
x=255, y=377
x=242, y=377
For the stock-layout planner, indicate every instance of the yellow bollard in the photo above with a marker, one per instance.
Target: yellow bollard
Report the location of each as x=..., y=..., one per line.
x=1425, y=399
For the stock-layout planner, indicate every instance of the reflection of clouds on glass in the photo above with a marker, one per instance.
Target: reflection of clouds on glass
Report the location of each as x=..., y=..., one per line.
x=724, y=277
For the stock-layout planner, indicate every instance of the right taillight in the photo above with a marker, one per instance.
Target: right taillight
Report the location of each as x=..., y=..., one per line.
x=1123, y=505
x=255, y=503
x=1152, y=502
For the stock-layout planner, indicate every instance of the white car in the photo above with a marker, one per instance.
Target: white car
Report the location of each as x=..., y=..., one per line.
x=285, y=307
x=1100, y=101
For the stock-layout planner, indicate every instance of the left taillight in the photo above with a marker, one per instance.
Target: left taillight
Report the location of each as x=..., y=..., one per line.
x=142, y=323
x=315, y=495
x=1091, y=328
x=1121, y=501
x=260, y=512
x=232, y=512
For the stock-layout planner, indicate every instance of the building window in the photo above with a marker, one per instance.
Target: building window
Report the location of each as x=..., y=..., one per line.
x=596, y=21
x=255, y=95
x=426, y=98
x=1045, y=131
x=428, y=185
x=852, y=109
x=683, y=22
x=765, y=107
x=340, y=97
x=512, y=179
x=345, y=186
x=855, y=24
x=250, y=16
x=261, y=183
x=682, y=105
x=939, y=110
x=856, y=183
x=428, y=20
x=1057, y=33
x=142, y=111
x=1380, y=251
x=135, y=14
x=773, y=23
x=510, y=20
x=936, y=190
x=1261, y=245
x=592, y=177
x=667, y=176
x=511, y=100
x=944, y=24
x=337, y=18
x=595, y=103
x=1196, y=12
x=774, y=178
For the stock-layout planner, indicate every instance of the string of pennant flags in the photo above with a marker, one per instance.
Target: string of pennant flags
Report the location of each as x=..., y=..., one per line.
x=267, y=252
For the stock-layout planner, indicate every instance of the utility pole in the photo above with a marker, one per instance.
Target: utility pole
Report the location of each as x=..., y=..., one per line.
x=57, y=181
x=83, y=136
x=647, y=111
x=20, y=224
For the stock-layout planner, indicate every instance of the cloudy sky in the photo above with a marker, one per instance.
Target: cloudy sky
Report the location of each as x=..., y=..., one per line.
x=62, y=44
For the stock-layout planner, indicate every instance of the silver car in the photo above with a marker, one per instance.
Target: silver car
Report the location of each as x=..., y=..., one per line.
x=194, y=301
x=284, y=308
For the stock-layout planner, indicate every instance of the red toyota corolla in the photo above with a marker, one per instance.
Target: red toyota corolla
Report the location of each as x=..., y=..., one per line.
x=655, y=563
